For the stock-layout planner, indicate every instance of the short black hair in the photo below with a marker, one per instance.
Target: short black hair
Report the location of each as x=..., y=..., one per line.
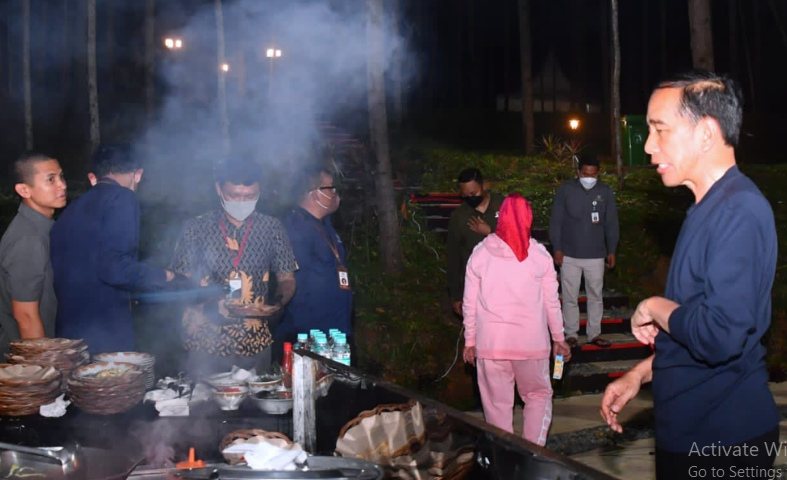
x=470, y=175
x=114, y=158
x=308, y=179
x=25, y=166
x=238, y=171
x=589, y=160
x=707, y=94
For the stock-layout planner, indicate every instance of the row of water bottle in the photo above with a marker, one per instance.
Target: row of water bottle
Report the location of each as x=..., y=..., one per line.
x=333, y=346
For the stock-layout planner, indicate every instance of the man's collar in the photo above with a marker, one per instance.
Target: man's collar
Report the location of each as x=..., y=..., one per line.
x=107, y=180
x=38, y=219
x=308, y=215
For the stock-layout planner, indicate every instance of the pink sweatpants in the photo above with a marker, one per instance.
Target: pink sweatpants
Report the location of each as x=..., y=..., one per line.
x=496, y=380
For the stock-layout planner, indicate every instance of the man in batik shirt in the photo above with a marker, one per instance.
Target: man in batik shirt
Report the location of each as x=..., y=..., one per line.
x=239, y=248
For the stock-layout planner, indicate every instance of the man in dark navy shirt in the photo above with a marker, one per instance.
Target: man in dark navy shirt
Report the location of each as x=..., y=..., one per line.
x=94, y=251
x=710, y=383
x=323, y=299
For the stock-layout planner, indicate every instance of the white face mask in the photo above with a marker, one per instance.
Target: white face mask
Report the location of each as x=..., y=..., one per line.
x=588, y=182
x=333, y=202
x=240, y=211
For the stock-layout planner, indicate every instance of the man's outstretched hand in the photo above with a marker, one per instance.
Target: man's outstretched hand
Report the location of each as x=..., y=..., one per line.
x=616, y=396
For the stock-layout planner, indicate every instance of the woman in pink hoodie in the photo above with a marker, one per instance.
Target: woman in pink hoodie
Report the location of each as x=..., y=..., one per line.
x=511, y=309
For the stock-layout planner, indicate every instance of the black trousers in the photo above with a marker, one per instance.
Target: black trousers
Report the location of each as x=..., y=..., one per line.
x=754, y=464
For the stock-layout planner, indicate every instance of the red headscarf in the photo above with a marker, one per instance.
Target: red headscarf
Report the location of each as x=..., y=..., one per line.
x=513, y=225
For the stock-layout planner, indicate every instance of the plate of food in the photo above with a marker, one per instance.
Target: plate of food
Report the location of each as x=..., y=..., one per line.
x=238, y=309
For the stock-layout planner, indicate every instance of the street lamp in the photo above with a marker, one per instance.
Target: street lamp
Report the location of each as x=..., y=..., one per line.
x=225, y=67
x=173, y=43
x=573, y=124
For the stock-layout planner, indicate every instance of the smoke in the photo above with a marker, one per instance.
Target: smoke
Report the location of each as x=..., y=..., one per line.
x=273, y=104
x=157, y=439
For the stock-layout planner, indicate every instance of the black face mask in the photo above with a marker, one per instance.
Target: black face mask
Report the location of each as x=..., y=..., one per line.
x=474, y=201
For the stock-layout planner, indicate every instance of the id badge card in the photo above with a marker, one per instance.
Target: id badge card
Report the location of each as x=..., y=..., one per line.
x=236, y=284
x=344, y=278
x=594, y=217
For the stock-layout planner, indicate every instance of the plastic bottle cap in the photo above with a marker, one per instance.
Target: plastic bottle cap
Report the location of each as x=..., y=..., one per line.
x=321, y=340
x=341, y=340
x=287, y=346
x=302, y=336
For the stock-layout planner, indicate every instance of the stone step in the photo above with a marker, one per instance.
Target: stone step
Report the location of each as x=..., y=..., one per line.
x=593, y=377
x=613, y=321
x=623, y=347
x=612, y=300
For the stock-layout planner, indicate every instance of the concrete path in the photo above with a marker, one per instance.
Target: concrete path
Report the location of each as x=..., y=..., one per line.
x=626, y=459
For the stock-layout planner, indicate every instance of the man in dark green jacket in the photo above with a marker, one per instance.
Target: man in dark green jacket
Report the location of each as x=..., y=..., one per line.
x=470, y=223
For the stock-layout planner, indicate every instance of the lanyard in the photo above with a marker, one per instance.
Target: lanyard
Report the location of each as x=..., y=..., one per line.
x=330, y=243
x=236, y=261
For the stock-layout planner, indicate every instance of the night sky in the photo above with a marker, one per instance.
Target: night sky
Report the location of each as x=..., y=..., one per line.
x=463, y=55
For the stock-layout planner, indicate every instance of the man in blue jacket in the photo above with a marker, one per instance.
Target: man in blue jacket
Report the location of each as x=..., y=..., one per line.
x=710, y=383
x=94, y=252
x=323, y=299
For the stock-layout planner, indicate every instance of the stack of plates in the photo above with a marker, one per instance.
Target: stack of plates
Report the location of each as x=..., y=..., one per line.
x=105, y=388
x=24, y=388
x=61, y=353
x=145, y=361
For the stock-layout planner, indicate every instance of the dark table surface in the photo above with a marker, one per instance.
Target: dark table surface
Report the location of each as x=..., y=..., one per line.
x=140, y=432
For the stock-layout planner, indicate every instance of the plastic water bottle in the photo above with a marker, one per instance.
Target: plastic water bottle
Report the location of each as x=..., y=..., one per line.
x=341, y=351
x=321, y=346
x=313, y=333
x=303, y=341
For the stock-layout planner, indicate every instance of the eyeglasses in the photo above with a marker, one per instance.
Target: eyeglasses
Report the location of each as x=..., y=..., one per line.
x=331, y=188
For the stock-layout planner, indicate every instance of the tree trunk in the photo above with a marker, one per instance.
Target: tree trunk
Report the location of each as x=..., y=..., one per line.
x=3, y=45
x=110, y=42
x=701, y=34
x=757, y=41
x=606, y=64
x=150, y=59
x=26, y=74
x=506, y=55
x=732, y=15
x=747, y=57
x=378, y=126
x=460, y=56
x=418, y=76
x=526, y=68
x=8, y=49
x=645, y=49
x=225, y=122
x=616, y=144
x=663, y=36
x=242, y=74
x=471, y=51
x=398, y=57
x=66, y=50
x=779, y=24
x=92, y=87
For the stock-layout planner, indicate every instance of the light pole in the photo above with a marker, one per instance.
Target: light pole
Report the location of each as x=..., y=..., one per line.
x=272, y=53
